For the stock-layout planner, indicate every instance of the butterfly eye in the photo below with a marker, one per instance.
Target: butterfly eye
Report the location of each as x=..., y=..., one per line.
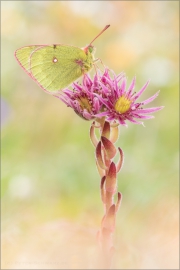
x=90, y=48
x=55, y=60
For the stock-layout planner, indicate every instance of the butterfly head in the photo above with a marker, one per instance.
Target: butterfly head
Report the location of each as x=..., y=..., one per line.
x=89, y=49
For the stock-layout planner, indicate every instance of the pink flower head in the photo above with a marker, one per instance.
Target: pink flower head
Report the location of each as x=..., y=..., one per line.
x=107, y=97
x=83, y=99
x=121, y=104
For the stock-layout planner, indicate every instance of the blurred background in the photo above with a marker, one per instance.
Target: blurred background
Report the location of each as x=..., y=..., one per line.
x=51, y=207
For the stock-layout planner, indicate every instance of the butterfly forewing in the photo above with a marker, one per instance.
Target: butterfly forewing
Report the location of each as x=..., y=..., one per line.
x=52, y=67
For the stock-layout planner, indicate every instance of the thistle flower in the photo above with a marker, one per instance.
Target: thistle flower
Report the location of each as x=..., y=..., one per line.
x=120, y=104
x=83, y=99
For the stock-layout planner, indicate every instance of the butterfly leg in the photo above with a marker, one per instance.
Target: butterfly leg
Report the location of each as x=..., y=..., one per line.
x=99, y=59
x=96, y=66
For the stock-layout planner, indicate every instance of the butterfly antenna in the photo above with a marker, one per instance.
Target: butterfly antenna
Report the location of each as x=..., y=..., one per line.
x=107, y=26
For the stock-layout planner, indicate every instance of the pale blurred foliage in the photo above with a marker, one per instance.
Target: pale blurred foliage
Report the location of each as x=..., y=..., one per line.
x=51, y=208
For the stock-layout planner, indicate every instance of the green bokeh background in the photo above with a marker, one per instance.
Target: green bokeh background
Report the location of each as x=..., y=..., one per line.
x=49, y=182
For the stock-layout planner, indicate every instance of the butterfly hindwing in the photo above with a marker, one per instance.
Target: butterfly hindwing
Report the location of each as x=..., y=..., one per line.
x=23, y=56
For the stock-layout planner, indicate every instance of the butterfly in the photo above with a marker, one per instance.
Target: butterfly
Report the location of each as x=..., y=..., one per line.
x=54, y=67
